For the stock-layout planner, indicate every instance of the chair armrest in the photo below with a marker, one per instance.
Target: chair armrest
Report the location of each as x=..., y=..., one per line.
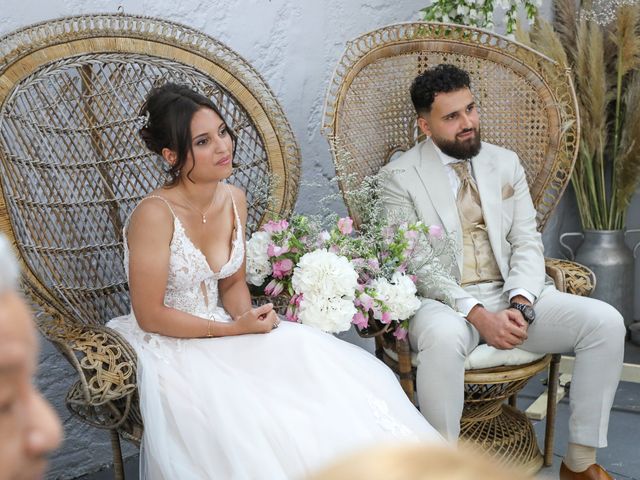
x=571, y=277
x=105, y=393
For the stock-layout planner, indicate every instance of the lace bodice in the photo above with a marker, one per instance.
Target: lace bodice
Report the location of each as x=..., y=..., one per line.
x=192, y=286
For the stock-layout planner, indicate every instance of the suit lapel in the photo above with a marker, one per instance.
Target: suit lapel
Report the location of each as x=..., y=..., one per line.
x=488, y=180
x=436, y=184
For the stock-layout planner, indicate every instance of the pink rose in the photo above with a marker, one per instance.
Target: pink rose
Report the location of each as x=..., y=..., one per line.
x=400, y=333
x=274, y=288
x=292, y=312
x=275, y=226
x=359, y=320
x=345, y=225
x=436, y=231
x=358, y=262
x=296, y=299
x=282, y=268
x=274, y=250
x=366, y=301
x=373, y=264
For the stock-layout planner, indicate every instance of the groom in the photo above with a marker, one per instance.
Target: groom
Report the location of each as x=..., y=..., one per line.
x=479, y=194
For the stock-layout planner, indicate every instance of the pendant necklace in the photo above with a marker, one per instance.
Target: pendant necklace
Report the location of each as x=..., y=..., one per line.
x=202, y=214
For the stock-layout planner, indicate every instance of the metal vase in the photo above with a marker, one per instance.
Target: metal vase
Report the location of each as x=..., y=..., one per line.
x=606, y=253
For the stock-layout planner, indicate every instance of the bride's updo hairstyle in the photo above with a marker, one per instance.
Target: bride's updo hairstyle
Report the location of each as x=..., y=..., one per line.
x=168, y=110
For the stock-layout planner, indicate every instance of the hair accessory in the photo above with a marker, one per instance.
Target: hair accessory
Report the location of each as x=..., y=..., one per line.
x=142, y=121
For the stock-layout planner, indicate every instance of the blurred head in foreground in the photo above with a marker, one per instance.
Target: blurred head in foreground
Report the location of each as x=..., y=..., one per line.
x=415, y=462
x=29, y=428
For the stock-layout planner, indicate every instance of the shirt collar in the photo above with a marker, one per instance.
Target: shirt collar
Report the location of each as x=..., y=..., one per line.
x=444, y=158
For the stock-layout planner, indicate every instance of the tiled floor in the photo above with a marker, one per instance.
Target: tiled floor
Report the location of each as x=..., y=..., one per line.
x=621, y=458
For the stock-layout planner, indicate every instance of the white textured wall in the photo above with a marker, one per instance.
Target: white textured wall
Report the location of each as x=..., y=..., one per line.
x=294, y=44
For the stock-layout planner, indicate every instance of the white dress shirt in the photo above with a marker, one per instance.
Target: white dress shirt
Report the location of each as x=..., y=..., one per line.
x=465, y=304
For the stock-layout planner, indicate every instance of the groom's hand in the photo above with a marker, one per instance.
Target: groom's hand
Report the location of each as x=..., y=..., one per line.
x=503, y=330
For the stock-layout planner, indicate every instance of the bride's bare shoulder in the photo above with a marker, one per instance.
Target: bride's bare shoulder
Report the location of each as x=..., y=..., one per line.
x=238, y=193
x=153, y=216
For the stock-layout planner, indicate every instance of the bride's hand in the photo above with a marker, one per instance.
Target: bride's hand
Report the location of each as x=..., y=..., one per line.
x=258, y=320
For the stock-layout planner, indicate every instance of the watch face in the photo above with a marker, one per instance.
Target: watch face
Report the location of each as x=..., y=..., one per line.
x=527, y=311
x=529, y=314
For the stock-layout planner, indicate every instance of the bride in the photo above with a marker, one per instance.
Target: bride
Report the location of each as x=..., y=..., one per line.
x=227, y=391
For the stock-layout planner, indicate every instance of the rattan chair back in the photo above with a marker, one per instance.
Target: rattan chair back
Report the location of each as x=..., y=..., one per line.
x=526, y=101
x=73, y=167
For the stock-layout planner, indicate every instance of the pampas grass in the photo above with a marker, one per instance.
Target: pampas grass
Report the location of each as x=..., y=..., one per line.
x=565, y=14
x=601, y=43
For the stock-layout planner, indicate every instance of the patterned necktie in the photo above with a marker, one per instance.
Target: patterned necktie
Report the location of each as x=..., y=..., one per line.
x=468, y=191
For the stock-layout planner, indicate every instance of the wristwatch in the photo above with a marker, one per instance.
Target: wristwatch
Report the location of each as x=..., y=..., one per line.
x=526, y=310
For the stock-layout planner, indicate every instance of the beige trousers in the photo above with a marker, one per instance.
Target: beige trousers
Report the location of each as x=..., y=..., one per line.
x=593, y=330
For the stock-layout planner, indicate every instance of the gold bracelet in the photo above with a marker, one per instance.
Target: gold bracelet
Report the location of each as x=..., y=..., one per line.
x=209, y=325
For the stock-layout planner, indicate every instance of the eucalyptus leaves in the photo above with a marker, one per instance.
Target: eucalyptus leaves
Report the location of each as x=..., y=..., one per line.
x=480, y=13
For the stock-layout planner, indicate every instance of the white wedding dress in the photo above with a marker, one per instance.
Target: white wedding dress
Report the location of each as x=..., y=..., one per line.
x=260, y=406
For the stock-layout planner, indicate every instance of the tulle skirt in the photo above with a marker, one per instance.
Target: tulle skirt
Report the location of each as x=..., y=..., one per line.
x=272, y=406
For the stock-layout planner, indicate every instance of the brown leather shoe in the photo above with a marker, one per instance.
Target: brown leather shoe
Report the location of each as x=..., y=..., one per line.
x=594, y=472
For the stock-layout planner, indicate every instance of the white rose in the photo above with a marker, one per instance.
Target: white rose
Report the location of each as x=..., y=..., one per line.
x=332, y=315
x=327, y=282
x=323, y=273
x=257, y=260
x=399, y=295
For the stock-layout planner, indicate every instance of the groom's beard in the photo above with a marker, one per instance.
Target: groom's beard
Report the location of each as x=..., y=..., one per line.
x=460, y=149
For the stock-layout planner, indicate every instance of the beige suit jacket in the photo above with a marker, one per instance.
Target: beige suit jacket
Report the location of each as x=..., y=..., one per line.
x=417, y=187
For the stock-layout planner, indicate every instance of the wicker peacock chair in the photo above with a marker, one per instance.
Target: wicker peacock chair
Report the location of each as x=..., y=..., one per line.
x=527, y=104
x=72, y=169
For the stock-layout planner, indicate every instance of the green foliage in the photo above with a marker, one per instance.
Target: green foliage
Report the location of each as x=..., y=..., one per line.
x=479, y=13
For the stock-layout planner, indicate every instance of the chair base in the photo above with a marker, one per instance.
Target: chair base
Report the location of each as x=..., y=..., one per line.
x=508, y=438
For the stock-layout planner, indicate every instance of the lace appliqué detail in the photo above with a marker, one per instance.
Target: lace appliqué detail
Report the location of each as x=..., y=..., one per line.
x=387, y=421
x=192, y=286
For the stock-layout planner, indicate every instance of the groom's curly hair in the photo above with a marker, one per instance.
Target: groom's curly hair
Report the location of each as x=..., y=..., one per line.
x=442, y=78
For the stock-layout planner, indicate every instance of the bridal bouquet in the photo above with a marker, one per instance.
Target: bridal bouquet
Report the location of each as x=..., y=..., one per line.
x=274, y=250
x=339, y=277
x=292, y=258
x=388, y=276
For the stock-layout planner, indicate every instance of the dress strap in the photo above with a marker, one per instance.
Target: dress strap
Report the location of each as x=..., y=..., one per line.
x=126, y=223
x=164, y=200
x=233, y=202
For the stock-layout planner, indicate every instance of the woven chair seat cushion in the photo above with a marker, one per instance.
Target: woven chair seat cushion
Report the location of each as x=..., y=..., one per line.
x=485, y=356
